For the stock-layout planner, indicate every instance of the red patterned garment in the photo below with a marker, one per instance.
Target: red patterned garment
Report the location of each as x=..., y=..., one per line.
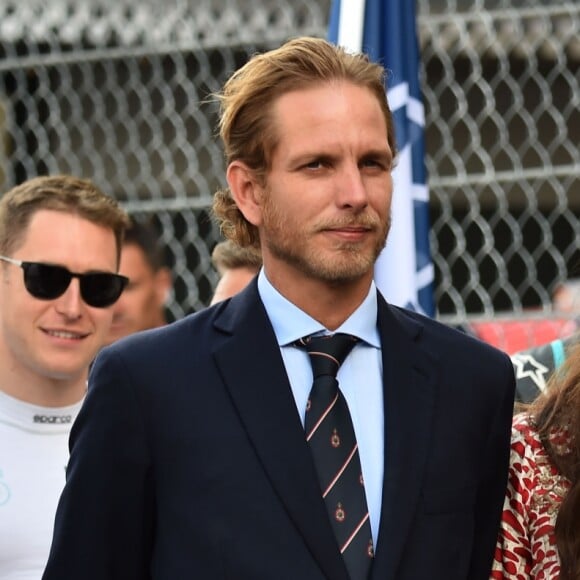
x=526, y=548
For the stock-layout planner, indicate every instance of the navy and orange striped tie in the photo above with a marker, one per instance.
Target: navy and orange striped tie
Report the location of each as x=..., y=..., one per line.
x=330, y=434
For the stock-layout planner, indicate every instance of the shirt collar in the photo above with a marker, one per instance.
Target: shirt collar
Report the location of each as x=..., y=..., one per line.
x=290, y=323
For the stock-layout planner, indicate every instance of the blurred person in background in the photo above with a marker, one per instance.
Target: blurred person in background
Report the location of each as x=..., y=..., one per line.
x=60, y=242
x=236, y=266
x=540, y=533
x=535, y=365
x=142, y=304
x=566, y=297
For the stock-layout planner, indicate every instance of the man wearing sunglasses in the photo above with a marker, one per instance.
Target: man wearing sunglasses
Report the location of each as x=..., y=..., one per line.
x=60, y=240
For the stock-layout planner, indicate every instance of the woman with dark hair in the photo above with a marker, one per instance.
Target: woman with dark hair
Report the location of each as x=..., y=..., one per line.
x=539, y=536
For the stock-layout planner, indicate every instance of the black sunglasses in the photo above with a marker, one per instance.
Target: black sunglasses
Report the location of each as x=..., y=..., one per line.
x=47, y=282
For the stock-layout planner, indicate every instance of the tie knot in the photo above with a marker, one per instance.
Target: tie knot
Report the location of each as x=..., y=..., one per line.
x=327, y=353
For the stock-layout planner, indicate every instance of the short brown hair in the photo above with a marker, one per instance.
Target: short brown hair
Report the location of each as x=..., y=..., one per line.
x=227, y=255
x=246, y=102
x=62, y=193
x=144, y=235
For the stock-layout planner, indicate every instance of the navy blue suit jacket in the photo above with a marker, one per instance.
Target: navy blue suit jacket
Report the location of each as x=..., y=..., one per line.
x=188, y=459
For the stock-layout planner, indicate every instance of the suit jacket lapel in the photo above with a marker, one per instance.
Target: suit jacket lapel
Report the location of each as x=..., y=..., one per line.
x=250, y=362
x=409, y=396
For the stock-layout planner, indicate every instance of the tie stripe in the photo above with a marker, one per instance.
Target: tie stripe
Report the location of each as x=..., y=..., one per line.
x=328, y=356
x=321, y=420
x=355, y=532
x=341, y=471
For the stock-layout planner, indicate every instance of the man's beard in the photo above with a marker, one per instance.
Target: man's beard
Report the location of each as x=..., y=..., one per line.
x=346, y=262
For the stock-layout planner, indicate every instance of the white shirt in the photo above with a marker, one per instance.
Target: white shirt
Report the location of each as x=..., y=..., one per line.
x=33, y=458
x=360, y=378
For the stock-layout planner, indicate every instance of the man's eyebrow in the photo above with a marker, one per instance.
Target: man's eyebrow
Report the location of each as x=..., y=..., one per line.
x=382, y=154
x=308, y=156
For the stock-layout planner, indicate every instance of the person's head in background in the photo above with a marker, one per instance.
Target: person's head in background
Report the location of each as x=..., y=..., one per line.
x=60, y=246
x=566, y=297
x=236, y=267
x=142, y=304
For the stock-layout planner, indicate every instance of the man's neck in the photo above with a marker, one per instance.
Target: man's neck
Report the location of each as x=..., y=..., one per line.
x=41, y=390
x=328, y=303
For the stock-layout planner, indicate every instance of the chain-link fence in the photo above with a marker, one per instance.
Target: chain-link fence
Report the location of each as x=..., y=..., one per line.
x=501, y=85
x=118, y=92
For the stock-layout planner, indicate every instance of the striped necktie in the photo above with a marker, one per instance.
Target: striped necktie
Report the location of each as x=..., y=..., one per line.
x=330, y=435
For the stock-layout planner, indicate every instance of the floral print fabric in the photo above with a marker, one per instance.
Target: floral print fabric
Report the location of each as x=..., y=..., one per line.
x=526, y=548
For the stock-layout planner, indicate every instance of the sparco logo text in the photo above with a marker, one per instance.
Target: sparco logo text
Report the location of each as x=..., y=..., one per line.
x=60, y=419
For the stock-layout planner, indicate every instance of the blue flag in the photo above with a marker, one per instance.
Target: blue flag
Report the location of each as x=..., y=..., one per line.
x=386, y=31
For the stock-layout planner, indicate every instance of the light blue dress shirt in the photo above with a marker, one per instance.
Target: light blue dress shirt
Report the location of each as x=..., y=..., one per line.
x=360, y=378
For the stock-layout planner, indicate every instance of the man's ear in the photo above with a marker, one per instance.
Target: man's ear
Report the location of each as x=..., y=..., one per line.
x=246, y=191
x=163, y=283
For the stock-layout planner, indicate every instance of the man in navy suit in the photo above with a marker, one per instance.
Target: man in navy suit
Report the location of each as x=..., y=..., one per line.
x=189, y=458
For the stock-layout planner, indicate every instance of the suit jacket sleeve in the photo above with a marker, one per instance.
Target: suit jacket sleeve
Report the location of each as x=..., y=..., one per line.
x=109, y=460
x=491, y=490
